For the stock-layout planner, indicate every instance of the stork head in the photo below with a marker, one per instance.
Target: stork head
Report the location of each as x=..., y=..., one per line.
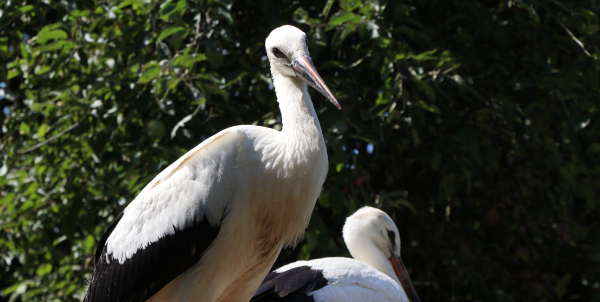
x=287, y=50
x=369, y=232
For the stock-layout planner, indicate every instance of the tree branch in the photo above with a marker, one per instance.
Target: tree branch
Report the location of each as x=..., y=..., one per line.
x=50, y=139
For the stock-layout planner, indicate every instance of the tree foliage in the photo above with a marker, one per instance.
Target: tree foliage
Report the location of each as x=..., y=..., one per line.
x=474, y=124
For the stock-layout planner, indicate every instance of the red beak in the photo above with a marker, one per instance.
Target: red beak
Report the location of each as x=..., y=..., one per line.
x=404, y=278
x=305, y=70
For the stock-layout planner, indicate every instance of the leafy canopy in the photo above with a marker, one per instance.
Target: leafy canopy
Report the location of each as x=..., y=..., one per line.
x=474, y=124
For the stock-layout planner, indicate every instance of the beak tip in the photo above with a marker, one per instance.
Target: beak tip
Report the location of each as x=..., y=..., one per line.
x=336, y=103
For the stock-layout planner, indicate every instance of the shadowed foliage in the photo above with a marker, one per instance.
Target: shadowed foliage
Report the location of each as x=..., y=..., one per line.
x=474, y=124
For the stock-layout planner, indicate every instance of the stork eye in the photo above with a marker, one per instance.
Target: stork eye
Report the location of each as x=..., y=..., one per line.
x=392, y=237
x=278, y=53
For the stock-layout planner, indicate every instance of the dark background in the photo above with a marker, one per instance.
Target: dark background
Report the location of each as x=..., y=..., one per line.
x=474, y=124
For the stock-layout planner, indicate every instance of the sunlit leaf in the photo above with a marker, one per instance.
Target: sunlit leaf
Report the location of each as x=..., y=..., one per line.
x=189, y=60
x=24, y=129
x=88, y=243
x=149, y=74
x=170, y=31
x=341, y=18
x=300, y=15
x=41, y=132
x=56, y=34
x=44, y=269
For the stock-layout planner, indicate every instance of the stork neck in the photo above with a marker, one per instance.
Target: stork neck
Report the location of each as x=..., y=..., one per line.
x=369, y=253
x=298, y=115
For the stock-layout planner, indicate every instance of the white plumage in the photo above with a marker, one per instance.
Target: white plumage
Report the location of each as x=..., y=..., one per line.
x=192, y=186
x=376, y=274
x=210, y=226
x=350, y=280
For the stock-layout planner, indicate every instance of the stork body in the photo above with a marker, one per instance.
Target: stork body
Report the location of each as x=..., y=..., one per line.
x=210, y=226
x=376, y=274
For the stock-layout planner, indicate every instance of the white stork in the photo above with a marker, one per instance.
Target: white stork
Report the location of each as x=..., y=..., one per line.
x=210, y=226
x=376, y=274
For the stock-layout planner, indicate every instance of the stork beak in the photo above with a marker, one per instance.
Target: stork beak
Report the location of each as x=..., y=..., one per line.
x=305, y=70
x=404, y=278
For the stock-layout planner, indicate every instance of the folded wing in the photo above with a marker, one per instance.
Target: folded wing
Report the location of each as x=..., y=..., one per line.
x=168, y=226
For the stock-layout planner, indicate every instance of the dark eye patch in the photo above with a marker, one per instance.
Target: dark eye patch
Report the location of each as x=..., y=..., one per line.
x=278, y=53
x=392, y=237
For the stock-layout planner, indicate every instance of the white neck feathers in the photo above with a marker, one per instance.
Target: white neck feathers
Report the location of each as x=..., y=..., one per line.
x=297, y=112
x=361, y=242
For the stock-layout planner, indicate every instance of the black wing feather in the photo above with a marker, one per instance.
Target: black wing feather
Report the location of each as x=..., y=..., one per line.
x=107, y=233
x=149, y=269
x=291, y=285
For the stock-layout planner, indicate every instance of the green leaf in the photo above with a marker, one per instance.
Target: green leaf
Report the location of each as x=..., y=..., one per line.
x=225, y=14
x=349, y=5
x=327, y=8
x=225, y=3
x=169, y=8
x=53, y=46
x=18, y=288
x=341, y=18
x=41, y=132
x=338, y=38
x=156, y=129
x=59, y=240
x=425, y=56
x=188, y=61
x=216, y=90
x=12, y=73
x=149, y=74
x=170, y=31
x=429, y=107
x=44, y=269
x=26, y=8
x=24, y=129
x=300, y=15
x=57, y=34
x=88, y=243
x=58, y=62
x=408, y=205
